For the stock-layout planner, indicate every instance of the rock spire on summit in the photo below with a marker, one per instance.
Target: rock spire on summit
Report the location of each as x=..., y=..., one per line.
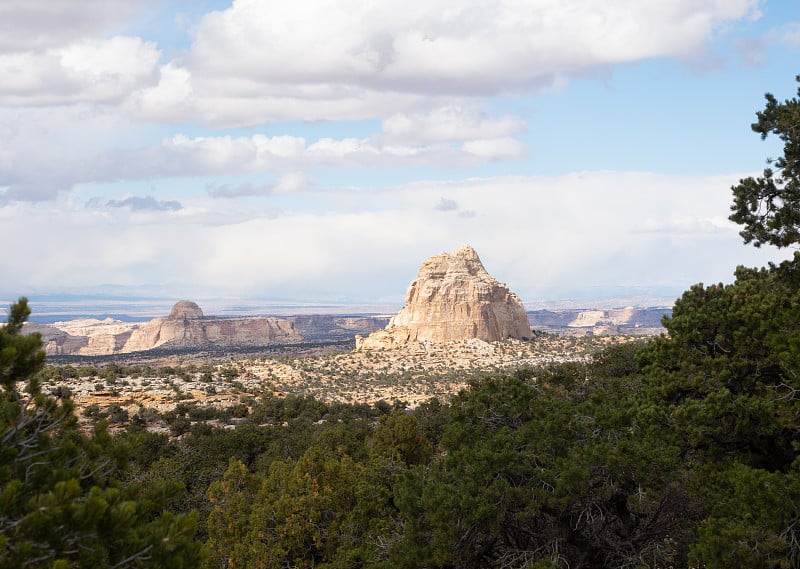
x=185, y=309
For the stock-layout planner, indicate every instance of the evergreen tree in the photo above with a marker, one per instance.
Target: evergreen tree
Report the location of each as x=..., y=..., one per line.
x=554, y=474
x=724, y=389
x=769, y=206
x=62, y=501
x=724, y=385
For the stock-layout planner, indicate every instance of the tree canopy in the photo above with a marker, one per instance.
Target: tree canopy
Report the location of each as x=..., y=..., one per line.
x=768, y=207
x=63, y=498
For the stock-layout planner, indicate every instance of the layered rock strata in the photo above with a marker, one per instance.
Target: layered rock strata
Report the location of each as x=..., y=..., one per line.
x=56, y=342
x=186, y=327
x=453, y=298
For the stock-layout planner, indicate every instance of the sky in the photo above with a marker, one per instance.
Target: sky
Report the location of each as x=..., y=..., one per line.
x=320, y=151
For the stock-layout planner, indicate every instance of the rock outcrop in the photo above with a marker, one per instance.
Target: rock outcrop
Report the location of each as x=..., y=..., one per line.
x=186, y=327
x=453, y=298
x=56, y=342
x=629, y=321
x=185, y=309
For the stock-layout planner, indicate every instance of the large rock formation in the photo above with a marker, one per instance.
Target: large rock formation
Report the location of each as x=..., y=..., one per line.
x=453, y=298
x=186, y=327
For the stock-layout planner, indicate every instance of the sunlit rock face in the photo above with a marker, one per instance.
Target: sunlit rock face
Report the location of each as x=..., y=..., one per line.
x=186, y=327
x=453, y=298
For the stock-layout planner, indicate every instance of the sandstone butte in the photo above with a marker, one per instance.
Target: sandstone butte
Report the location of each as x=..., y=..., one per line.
x=185, y=327
x=453, y=298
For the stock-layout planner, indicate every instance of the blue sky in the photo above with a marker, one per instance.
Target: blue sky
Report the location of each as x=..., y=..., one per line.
x=320, y=151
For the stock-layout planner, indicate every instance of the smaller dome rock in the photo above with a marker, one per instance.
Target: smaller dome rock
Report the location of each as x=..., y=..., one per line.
x=185, y=309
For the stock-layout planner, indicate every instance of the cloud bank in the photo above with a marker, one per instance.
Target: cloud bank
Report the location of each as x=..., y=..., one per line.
x=258, y=62
x=599, y=229
x=327, y=147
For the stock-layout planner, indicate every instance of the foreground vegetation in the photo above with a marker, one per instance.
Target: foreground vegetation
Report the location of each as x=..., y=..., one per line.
x=682, y=451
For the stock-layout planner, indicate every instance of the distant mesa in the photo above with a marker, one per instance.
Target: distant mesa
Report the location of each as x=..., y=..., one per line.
x=453, y=298
x=185, y=309
x=185, y=328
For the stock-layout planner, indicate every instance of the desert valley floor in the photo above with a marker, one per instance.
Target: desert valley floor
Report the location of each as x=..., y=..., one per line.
x=156, y=383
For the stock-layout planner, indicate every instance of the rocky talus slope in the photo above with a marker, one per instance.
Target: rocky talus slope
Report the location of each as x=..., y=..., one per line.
x=453, y=298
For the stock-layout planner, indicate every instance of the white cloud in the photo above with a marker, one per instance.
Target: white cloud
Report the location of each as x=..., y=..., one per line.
x=183, y=156
x=590, y=229
x=137, y=203
x=342, y=59
x=423, y=68
x=239, y=190
x=31, y=25
x=690, y=226
x=450, y=123
x=108, y=57
x=74, y=86
x=290, y=183
x=97, y=71
x=37, y=166
x=284, y=146
x=168, y=99
x=287, y=184
x=495, y=148
x=46, y=150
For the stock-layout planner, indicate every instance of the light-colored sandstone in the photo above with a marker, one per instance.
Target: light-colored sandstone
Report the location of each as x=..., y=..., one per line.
x=94, y=327
x=186, y=327
x=453, y=298
x=55, y=341
x=616, y=317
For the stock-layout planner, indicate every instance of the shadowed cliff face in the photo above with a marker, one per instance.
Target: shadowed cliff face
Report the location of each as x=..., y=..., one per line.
x=453, y=298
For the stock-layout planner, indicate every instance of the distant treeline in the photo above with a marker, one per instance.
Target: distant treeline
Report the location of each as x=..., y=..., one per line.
x=206, y=353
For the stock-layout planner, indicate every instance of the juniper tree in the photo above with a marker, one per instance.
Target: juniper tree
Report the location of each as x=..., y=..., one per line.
x=63, y=502
x=768, y=207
